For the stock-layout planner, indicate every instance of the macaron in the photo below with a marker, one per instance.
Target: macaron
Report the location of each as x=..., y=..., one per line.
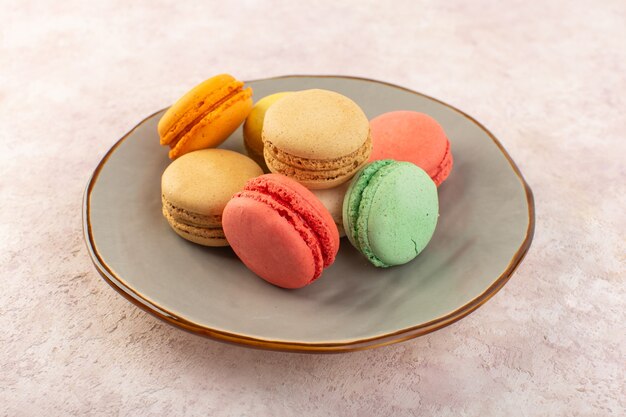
x=332, y=199
x=253, y=127
x=196, y=187
x=317, y=137
x=281, y=231
x=206, y=116
x=412, y=137
x=390, y=212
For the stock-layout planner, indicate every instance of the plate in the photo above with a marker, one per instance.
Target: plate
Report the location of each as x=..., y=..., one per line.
x=485, y=228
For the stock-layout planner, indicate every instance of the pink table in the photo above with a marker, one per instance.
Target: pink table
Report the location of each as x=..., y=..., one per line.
x=547, y=78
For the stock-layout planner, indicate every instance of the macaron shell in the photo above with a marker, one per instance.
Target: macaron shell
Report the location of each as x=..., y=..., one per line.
x=318, y=137
x=412, y=137
x=399, y=212
x=307, y=207
x=216, y=126
x=268, y=244
x=207, y=92
x=203, y=182
x=281, y=231
x=316, y=124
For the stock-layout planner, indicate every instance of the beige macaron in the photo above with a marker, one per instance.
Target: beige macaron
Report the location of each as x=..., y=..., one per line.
x=332, y=199
x=196, y=187
x=320, y=138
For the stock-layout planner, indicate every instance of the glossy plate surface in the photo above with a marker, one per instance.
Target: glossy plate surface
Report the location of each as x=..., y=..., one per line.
x=485, y=227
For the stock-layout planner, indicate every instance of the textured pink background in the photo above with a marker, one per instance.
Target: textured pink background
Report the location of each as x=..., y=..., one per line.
x=547, y=78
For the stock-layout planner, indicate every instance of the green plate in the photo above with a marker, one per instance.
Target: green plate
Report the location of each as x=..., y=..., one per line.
x=485, y=228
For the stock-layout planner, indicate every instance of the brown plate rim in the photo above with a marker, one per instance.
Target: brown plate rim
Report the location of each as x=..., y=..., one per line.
x=142, y=301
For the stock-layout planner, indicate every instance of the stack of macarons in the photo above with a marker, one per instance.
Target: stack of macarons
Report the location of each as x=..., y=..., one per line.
x=329, y=172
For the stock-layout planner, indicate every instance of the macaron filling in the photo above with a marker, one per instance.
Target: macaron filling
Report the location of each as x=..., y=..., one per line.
x=305, y=169
x=212, y=233
x=203, y=111
x=170, y=127
x=194, y=224
x=193, y=219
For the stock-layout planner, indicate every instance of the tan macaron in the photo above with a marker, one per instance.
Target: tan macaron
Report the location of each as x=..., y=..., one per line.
x=332, y=199
x=317, y=137
x=196, y=187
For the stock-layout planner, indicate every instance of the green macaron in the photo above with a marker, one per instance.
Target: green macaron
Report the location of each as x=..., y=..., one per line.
x=390, y=211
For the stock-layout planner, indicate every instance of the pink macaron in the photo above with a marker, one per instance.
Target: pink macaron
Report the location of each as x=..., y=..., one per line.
x=281, y=231
x=412, y=137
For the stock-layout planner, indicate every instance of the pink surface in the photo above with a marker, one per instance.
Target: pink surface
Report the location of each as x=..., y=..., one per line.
x=281, y=231
x=547, y=78
x=413, y=137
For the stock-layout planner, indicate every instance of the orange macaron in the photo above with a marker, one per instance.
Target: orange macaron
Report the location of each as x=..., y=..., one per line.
x=205, y=116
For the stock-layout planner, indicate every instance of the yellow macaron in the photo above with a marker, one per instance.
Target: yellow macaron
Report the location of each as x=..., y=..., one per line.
x=206, y=116
x=253, y=127
x=196, y=187
x=320, y=138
